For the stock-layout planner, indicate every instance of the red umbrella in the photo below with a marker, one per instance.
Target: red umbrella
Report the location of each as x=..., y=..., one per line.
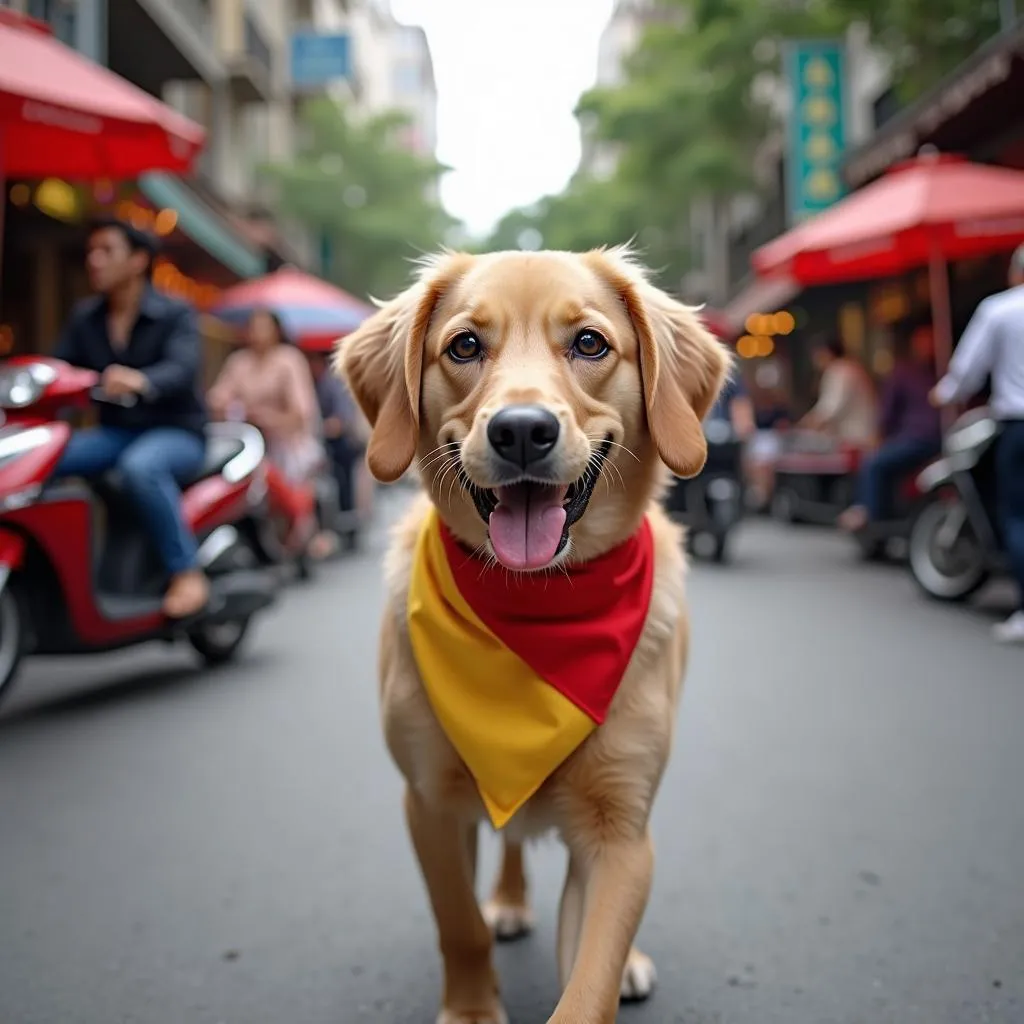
x=314, y=313
x=63, y=115
x=924, y=212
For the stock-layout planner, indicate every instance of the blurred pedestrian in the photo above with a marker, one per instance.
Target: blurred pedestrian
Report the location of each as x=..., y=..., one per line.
x=342, y=421
x=268, y=383
x=993, y=346
x=847, y=409
x=909, y=425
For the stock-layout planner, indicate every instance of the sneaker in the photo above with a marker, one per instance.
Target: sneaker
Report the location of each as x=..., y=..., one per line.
x=1011, y=631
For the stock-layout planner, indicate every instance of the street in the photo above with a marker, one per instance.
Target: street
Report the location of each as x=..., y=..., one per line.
x=840, y=835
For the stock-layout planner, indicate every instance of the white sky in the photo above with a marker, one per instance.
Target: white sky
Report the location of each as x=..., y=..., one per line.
x=509, y=73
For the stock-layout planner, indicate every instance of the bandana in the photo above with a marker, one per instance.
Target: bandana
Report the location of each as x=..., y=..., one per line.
x=520, y=669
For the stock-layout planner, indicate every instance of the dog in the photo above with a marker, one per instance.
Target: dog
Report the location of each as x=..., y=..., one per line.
x=543, y=397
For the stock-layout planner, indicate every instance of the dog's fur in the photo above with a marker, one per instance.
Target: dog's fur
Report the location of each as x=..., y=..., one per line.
x=649, y=395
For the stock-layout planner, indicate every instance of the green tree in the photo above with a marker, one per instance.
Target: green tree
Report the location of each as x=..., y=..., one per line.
x=354, y=183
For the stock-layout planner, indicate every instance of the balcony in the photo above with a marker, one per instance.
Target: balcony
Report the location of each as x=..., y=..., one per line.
x=153, y=42
x=251, y=66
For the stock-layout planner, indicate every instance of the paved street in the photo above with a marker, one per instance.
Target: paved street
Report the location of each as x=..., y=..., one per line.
x=840, y=836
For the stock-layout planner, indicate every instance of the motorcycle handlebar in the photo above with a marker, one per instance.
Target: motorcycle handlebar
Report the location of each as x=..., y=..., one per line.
x=125, y=401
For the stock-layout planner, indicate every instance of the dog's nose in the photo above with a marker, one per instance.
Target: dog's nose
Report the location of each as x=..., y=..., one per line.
x=523, y=434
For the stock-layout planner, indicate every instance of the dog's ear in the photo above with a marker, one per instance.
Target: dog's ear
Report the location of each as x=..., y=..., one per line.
x=382, y=362
x=682, y=365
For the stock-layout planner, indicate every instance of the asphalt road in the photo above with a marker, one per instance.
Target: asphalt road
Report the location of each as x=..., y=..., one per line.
x=840, y=836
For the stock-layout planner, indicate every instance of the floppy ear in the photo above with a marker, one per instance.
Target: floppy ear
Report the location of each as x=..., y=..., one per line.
x=382, y=362
x=682, y=365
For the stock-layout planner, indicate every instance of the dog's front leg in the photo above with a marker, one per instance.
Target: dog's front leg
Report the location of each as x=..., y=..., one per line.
x=615, y=879
x=445, y=847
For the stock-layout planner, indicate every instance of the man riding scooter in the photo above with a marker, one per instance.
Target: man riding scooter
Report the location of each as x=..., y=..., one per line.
x=993, y=346
x=147, y=348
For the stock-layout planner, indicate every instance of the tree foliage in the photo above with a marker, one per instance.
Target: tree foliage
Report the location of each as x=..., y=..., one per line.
x=356, y=184
x=699, y=96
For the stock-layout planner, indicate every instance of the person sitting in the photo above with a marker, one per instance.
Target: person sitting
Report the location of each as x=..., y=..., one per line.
x=846, y=410
x=910, y=427
x=147, y=345
x=268, y=383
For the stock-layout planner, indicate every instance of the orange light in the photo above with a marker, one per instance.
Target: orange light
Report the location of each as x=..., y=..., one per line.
x=166, y=221
x=755, y=323
x=746, y=347
x=784, y=322
x=763, y=347
x=21, y=194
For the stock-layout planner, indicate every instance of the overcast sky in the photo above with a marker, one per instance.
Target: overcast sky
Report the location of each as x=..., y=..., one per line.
x=509, y=73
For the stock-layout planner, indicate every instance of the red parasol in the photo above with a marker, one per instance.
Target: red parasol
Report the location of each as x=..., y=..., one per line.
x=923, y=212
x=314, y=313
x=64, y=115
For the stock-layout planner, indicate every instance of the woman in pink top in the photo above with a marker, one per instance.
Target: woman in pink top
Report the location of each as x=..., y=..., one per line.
x=268, y=384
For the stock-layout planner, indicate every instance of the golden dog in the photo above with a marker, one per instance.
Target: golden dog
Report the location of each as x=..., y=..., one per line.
x=577, y=371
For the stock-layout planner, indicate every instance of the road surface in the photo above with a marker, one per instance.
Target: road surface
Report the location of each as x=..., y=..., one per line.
x=840, y=835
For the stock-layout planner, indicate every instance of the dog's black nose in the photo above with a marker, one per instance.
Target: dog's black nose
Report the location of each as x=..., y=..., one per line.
x=523, y=434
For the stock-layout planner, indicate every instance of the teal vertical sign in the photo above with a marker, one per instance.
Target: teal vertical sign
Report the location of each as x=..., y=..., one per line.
x=817, y=126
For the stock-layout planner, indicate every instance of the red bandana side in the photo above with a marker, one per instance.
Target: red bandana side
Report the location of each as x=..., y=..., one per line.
x=577, y=629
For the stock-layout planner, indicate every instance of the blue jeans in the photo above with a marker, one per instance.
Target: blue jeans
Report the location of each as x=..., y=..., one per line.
x=1010, y=490
x=152, y=464
x=882, y=470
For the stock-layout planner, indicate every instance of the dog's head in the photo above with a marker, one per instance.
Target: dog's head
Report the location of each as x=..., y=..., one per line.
x=540, y=394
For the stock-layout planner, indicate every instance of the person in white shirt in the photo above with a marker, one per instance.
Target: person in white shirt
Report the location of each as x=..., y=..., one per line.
x=993, y=346
x=847, y=407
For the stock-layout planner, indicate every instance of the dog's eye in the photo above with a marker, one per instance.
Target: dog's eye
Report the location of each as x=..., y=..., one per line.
x=465, y=348
x=590, y=345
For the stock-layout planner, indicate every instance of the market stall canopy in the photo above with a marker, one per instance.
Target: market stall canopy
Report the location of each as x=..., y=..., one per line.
x=63, y=115
x=936, y=206
x=314, y=313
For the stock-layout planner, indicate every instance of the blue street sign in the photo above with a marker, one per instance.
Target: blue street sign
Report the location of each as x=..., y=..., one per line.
x=319, y=59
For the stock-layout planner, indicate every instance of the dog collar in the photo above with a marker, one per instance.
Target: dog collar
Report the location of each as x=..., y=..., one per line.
x=520, y=669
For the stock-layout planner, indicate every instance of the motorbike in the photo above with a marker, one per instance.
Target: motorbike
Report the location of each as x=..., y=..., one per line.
x=956, y=541
x=814, y=485
x=711, y=504
x=78, y=572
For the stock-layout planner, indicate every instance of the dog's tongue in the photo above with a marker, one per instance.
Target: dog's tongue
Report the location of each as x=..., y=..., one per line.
x=526, y=527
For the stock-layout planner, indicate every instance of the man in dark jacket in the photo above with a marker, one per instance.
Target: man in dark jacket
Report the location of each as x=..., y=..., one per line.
x=146, y=345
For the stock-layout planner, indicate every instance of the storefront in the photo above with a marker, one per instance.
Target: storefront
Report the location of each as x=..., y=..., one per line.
x=44, y=252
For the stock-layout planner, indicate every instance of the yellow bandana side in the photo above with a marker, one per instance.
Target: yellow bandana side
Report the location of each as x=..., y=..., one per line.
x=510, y=727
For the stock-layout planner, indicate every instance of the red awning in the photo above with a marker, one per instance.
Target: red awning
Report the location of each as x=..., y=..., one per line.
x=937, y=206
x=63, y=115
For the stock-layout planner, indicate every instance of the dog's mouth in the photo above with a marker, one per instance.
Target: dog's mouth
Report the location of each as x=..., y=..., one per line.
x=528, y=521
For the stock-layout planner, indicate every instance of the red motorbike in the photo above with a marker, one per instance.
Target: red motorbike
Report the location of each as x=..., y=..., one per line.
x=78, y=572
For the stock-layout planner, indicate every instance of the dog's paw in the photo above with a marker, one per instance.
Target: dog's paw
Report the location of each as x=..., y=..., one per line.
x=508, y=921
x=639, y=978
x=495, y=1016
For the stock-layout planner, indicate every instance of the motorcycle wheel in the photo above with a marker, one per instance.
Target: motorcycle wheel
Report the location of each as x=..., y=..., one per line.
x=951, y=576
x=12, y=638
x=217, y=643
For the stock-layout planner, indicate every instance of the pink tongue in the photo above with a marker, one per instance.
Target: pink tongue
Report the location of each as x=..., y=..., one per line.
x=526, y=527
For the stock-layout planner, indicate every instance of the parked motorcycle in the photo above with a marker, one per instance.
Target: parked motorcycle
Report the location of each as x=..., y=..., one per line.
x=78, y=572
x=711, y=504
x=956, y=541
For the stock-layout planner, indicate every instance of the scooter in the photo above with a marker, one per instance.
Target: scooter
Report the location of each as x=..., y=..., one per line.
x=956, y=542
x=78, y=573
x=711, y=504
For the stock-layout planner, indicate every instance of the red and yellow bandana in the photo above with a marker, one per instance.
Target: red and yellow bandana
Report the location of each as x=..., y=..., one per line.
x=521, y=669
